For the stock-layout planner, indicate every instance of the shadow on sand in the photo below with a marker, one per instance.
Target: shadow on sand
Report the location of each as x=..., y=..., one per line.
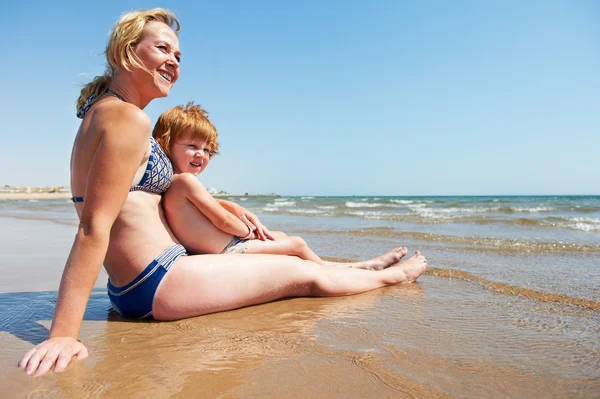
x=21, y=312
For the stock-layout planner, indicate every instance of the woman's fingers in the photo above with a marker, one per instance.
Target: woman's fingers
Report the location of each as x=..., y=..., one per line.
x=23, y=363
x=82, y=353
x=34, y=361
x=47, y=362
x=62, y=362
x=57, y=352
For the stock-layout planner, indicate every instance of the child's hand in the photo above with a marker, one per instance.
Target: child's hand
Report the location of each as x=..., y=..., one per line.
x=261, y=231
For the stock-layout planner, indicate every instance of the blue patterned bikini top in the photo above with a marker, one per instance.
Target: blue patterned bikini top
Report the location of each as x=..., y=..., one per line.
x=159, y=171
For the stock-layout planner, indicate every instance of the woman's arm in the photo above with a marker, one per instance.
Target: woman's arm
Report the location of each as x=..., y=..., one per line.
x=111, y=172
x=219, y=216
x=249, y=218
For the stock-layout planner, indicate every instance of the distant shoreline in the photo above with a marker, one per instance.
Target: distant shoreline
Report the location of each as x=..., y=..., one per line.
x=67, y=195
x=35, y=196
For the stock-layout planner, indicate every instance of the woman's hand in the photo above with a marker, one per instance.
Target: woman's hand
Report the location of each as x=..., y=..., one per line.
x=60, y=351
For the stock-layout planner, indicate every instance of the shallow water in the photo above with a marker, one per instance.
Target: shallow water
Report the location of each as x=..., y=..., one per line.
x=508, y=309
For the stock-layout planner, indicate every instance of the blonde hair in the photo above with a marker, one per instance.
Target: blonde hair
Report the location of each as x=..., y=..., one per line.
x=185, y=121
x=125, y=35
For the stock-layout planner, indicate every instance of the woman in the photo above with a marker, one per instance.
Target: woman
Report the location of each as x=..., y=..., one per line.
x=122, y=225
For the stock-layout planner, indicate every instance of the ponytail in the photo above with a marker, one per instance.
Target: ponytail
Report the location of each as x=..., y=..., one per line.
x=91, y=92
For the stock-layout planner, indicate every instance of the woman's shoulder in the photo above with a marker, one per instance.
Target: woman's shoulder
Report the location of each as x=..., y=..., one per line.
x=119, y=115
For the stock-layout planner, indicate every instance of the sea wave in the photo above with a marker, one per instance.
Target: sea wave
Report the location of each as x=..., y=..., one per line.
x=307, y=211
x=350, y=204
x=513, y=289
x=281, y=202
x=479, y=244
x=535, y=209
x=504, y=288
x=404, y=202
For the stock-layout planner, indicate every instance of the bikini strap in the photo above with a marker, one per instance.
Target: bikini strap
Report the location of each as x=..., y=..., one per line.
x=115, y=94
x=83, y=110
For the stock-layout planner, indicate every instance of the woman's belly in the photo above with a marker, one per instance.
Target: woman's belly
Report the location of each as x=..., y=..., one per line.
x=140, y=233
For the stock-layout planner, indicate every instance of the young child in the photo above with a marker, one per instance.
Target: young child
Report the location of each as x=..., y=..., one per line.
x=209, y=226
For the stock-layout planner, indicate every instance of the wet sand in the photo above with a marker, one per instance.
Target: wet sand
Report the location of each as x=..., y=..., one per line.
x=442, y=337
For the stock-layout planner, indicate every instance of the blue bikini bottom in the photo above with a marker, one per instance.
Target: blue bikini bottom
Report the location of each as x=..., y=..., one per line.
x=134, y=300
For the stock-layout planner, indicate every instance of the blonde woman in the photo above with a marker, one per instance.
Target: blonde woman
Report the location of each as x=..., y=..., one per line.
x=117, y=178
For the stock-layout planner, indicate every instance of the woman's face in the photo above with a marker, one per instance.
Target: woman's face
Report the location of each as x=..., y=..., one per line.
x=158, y=50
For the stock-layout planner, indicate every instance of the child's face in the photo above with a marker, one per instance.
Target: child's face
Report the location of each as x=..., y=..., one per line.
x=190, y=155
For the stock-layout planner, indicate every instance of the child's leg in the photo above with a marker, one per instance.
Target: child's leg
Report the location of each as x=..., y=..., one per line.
x=296, y=246
x=290, y=245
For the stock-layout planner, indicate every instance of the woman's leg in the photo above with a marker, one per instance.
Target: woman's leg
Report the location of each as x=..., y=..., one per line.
x=197, y=285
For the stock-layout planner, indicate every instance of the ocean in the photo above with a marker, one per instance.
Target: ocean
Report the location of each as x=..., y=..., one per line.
x=510, y=304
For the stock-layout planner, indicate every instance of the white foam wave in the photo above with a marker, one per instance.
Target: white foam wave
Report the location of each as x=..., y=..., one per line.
x=326, y=207
x=584, y=227
x=280, y=203
x=363, y=205
x=415, y=206
x=583, y=224
x=368, y=214
x=306, y=211
x=404, y=202
x=534, y=210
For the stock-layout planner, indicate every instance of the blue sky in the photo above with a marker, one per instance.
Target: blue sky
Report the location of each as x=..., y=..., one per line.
x=336, y=97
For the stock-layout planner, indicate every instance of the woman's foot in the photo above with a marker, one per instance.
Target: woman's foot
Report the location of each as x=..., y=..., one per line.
x=409, y=270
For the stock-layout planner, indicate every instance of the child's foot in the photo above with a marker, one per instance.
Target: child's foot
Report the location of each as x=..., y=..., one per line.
x=380, y=262
x=409, y=270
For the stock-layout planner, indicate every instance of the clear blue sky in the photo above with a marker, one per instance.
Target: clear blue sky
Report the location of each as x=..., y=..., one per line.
x=336, y=97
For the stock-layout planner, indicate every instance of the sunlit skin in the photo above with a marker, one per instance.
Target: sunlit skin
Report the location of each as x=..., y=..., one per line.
x=109, y=210
x=125, y=231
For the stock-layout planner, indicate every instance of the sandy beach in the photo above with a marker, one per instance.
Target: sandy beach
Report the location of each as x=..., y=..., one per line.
x=445, y=336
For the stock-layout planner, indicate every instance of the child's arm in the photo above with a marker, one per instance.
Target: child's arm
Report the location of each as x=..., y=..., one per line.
x=249, y=218
x=222, y=219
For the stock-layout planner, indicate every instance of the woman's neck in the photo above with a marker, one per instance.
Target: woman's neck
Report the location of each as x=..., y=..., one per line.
x=125, y=87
